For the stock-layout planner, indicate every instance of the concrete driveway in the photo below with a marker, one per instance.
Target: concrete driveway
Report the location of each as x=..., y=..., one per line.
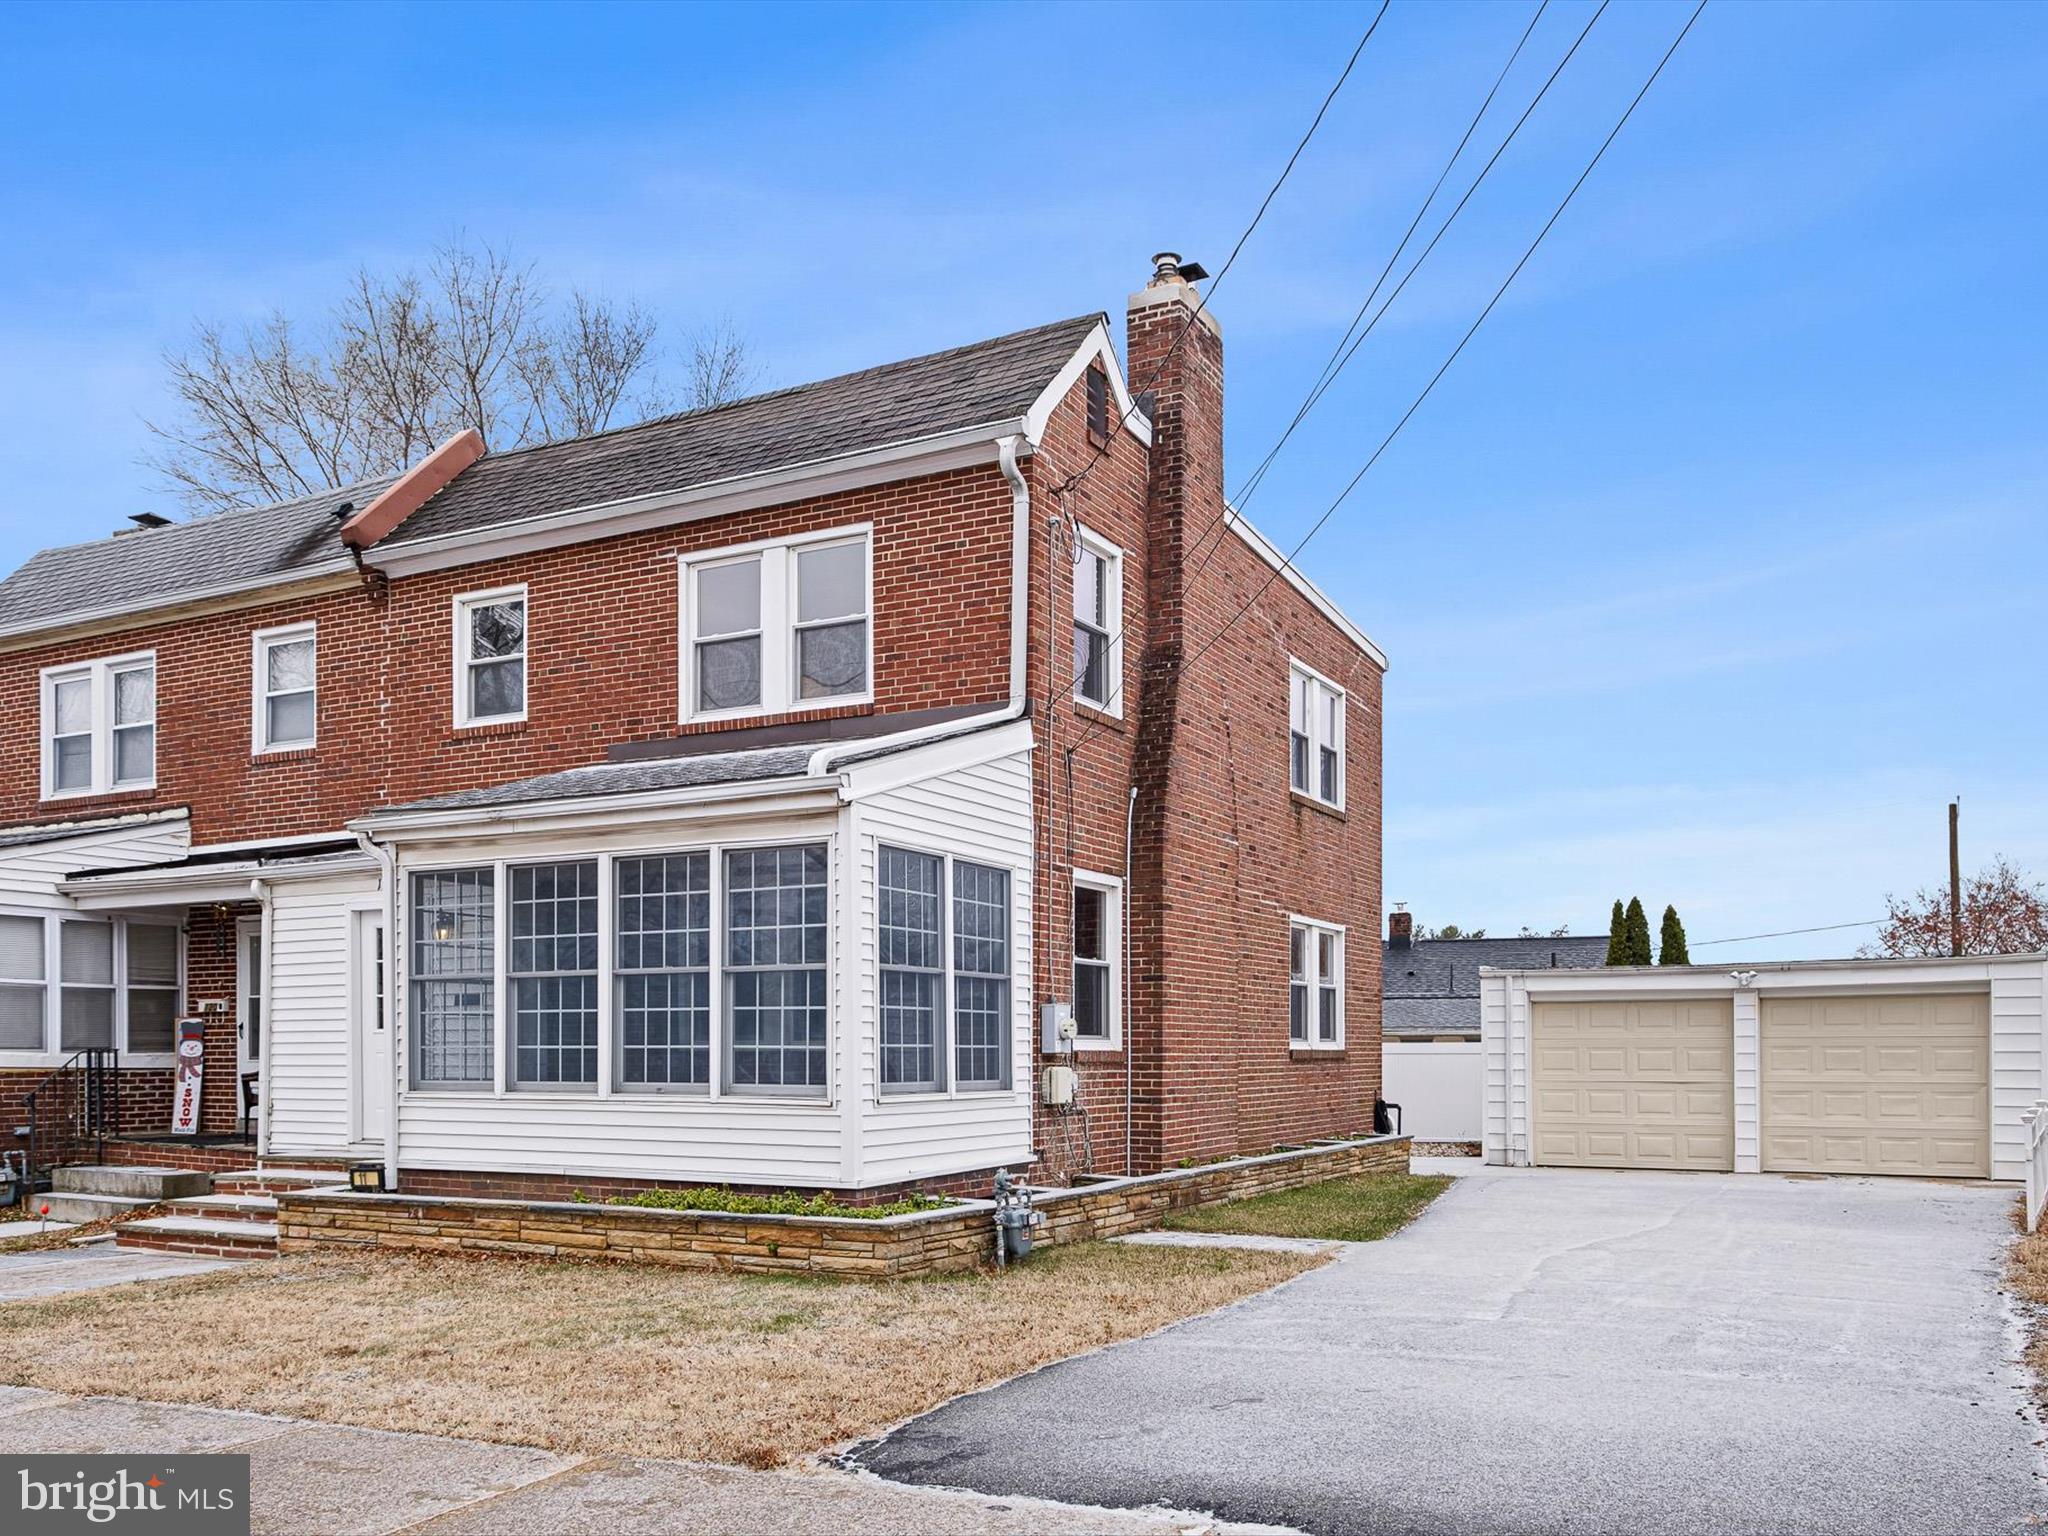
x=1560, y=1352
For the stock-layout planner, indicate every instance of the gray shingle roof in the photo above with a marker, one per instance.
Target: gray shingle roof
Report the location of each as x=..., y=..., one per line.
x=899, y=402
x=1429, y=1016
x=54, y=832
x=251, y=545
x=1450, y=967
x=630, y=779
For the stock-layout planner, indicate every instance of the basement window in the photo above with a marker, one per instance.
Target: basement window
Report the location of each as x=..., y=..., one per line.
x=99, y=726
x=1315, y=743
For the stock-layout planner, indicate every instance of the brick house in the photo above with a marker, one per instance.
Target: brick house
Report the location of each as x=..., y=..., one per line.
x=765, y=795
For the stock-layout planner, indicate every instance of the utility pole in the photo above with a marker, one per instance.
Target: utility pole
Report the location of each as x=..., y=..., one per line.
x=1955, y=880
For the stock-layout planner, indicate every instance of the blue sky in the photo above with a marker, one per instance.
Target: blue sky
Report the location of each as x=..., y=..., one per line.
x=1709, y=573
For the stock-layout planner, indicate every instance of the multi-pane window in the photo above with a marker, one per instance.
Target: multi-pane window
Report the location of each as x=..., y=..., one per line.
x=776, y=627
x=86, y=1009
x=286, y=703
x=551, y=959
x=1097, y=930
x=152, y=986
x=1316, y=736
x=981, y=975
x=662, y=971
x=775, y=975
x=1098, y=607
x=99, y=726
x=912, y=944
x=909, y=899
x=454, y=928
x=1315, y=983
x=490, y=657
x=24, y=986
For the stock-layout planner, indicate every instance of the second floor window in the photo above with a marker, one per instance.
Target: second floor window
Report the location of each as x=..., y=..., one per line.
x=1315, y=742
x=286, y=688
x=490, y=657
x=99, y=726
x=777, y=627
x=1098, y=616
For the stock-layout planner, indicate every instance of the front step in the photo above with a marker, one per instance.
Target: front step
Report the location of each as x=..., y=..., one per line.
x=82, y=1208
x=138, y=1186
x=204, y=1235
x=226, y=1207
x=274, y=1181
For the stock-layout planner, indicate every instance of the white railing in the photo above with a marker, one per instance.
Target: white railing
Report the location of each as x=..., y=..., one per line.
x=2034, y=1124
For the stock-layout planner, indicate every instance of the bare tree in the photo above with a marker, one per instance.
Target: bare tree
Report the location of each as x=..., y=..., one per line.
x=406, y=360
x=720, y=368
x=2004, y=913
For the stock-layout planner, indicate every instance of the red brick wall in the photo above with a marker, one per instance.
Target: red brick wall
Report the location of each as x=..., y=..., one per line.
x=211, y=955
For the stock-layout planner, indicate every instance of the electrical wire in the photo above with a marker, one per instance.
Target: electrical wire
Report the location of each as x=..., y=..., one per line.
x=1786, y=933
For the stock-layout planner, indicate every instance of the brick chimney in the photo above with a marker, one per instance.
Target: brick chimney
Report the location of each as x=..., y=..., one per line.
x=1400, y=929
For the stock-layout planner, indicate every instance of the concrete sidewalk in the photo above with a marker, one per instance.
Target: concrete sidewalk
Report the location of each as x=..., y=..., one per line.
x=311, y=1479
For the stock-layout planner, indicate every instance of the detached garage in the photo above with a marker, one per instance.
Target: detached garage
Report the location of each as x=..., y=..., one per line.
x=1915, y=1067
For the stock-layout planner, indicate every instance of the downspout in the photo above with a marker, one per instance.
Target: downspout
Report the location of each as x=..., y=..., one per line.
x=387, y=866
x=259, y=891
x=1020, y=561
x=1130, y=1037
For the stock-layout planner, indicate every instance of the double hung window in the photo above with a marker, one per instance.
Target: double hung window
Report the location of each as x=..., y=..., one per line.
x=942, y=1024
x=99, y=726
x=1316, y=737
x=777, y=627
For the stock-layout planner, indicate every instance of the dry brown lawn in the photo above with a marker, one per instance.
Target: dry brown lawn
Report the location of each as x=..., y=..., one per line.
x=606, y=1359
x=2026, y=1273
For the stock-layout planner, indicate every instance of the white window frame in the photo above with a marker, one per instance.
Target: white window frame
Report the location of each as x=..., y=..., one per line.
x=1312, y=928
x=1112, y=890
x=780, y=684
x=610, y=1082
x=1319, y=686
x=1112, y=557
x=99, y=675
x=261, y=643
x=464, y=661
x=949, y=974
x=51, y=1052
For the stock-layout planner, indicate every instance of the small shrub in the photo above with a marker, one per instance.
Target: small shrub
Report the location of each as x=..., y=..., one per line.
x=788, y=1202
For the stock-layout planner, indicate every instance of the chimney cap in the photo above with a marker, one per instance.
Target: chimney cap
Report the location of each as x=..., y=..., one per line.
x=149, y=520
x=1167, y=267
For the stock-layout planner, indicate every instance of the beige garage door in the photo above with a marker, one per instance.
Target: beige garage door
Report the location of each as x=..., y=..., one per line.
x=1633, y=1085
x=1877, y=1085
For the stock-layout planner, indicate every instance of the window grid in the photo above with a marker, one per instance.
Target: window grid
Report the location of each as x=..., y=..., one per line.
x=1315, y=741
x=552, y=963
x=662, y=971
x=981, y=987
x=909, y=898
x=454, y=976
x=775, y=978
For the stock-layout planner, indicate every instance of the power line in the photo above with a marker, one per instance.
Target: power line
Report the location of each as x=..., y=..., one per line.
x=1271, y=192
x=1287, y=564
x=1340, y=357
x=1786, y=933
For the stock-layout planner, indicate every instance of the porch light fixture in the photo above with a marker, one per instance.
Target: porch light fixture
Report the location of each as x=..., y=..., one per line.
x=366, y=1178
x=444, y=927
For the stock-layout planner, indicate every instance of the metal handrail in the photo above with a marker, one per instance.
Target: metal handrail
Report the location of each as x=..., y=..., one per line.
x=87, y=1091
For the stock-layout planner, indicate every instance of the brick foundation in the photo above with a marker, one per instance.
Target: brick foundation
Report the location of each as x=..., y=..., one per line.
x=485, y=1185
x=957, y=1238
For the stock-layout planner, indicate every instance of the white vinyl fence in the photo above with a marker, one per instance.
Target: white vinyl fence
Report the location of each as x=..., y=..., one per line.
x=2034, y=1122
x=1439, y=1086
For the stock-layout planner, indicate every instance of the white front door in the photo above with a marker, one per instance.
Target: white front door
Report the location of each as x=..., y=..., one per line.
x=248, y=998
x=373, y=1040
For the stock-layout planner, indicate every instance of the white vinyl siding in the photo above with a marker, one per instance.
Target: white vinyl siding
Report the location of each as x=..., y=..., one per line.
x=978, y=815
x=99, y=726
x=771, y=628
x=284, y=688
x=309, y=1071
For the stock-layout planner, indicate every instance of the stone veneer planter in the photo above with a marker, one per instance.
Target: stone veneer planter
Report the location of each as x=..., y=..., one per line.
x=958, y=1237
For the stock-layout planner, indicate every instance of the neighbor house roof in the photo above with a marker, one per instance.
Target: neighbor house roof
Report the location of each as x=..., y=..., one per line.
x=59, y=831
x=249, y=548
x=1432, y=986
x=983, y=384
